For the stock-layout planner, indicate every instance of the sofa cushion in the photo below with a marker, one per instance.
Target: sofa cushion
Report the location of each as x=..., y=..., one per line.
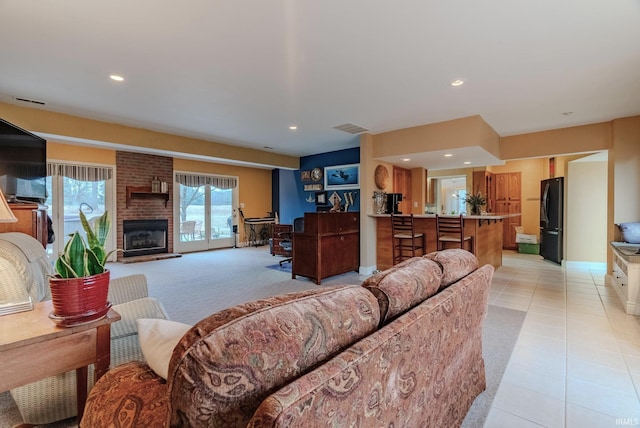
x=157, y=339
x=224, y=367
x=630, y=232
x=404, y=285
x=130, y=395
x=456, y=263
x=146, y=307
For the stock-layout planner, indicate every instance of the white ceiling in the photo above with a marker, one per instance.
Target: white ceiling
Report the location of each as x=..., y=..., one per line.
x=241, y=72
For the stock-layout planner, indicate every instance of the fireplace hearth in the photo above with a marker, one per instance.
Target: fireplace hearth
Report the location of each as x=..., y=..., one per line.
x=145, y=237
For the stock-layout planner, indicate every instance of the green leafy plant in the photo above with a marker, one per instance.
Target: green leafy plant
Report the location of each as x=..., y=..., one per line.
x=82, y=258
x=476, y=201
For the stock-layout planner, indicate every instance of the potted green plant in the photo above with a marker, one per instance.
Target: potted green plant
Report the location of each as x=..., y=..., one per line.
x=80, y=287
x=476, y=201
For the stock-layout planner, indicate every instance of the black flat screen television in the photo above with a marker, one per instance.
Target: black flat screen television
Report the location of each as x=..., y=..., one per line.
x=23, y=164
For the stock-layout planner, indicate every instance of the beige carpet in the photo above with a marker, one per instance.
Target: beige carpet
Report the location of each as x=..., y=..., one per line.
x=198, y=284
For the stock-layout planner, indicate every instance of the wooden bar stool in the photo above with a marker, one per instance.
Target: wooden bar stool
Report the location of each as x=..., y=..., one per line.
x=451, y=229
x=405, y=241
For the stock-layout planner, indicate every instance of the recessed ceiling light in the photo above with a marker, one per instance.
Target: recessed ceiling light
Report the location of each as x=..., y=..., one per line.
x=467, y=162
x=406, y=160
x=116, y=77
x=293, y=127
x=448, y=155
x=457, y=82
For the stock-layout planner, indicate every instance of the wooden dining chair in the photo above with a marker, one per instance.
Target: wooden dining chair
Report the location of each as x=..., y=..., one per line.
x=451, y=229
x=405, y=241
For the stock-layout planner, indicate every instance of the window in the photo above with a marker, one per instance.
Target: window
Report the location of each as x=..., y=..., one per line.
x=205, y=214
x=72, y=188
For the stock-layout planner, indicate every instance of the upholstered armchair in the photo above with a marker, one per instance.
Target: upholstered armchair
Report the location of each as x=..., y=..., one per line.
x=24, y=268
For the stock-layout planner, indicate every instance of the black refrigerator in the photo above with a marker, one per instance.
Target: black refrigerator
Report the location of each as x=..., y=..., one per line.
x=551, y=215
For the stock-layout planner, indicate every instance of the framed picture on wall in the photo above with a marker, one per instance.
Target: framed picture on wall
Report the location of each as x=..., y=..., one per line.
x=342, y=177
x=321, y=198
x=312, y=187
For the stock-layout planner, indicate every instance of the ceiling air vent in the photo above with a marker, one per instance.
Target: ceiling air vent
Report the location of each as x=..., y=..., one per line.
x=27, y=100
x=351, y=128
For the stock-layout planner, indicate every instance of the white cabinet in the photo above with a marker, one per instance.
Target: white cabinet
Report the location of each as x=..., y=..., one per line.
x=625, y=277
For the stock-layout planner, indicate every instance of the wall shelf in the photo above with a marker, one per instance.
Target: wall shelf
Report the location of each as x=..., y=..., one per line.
x=144, y=192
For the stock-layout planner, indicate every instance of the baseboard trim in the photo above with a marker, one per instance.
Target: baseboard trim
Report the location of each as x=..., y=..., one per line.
x=366, y=270
x=585, y=265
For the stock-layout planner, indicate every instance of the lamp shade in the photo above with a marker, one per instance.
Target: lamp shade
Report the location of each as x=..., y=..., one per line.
x=6, y=216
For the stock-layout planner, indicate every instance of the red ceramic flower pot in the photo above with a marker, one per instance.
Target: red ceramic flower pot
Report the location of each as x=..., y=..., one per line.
x=79, y=297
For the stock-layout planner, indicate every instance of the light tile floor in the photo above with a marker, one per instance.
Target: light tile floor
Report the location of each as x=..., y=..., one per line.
x=576, y=362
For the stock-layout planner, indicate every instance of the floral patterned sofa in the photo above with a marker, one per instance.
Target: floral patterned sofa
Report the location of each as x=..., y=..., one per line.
x=403, y=349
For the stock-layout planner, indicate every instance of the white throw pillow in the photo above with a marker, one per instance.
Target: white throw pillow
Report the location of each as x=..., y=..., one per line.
x=157, y=339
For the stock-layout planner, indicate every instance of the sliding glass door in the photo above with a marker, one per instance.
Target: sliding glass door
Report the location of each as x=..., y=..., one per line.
x=72, y=188
x=204, y=217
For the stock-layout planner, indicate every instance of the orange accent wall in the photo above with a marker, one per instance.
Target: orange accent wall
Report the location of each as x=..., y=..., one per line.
x=68, y=152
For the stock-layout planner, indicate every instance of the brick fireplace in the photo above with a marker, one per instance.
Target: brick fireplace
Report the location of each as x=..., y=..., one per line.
x=138, y=170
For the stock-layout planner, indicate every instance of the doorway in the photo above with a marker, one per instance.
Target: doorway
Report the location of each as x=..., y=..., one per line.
x=204, y=218
x=451, y=195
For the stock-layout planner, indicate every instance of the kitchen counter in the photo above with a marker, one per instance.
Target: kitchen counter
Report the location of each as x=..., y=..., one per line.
x=485, y=229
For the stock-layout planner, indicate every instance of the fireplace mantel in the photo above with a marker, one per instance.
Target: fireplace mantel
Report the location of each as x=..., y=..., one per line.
x=144, y=192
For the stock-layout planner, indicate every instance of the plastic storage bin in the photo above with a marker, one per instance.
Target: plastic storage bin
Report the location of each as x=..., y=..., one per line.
x=529, y=248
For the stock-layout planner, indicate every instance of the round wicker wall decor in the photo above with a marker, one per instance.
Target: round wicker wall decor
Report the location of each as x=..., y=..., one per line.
x=381, y=177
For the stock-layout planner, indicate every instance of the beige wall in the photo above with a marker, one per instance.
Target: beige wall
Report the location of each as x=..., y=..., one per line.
x=586, y=215
x=577, y=139
x=418, y=190
x=367, y=187
x=459, y=133
x=626, y=157
x=36, y=120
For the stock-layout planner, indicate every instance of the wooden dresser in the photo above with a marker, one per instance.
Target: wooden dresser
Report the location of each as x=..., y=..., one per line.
x=32, y=220
x=329, y=245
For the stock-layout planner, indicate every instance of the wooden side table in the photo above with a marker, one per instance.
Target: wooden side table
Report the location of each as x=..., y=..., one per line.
x=33, y=347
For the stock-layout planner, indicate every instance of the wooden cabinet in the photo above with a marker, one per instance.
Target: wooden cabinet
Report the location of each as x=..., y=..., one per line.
x=508, y=186
x=626, y=280
x=484, y=182
x=508, y=193
x=281, y=232
x=32, y=220
x=431, y=191
x=329, y=245
x=402, y=184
